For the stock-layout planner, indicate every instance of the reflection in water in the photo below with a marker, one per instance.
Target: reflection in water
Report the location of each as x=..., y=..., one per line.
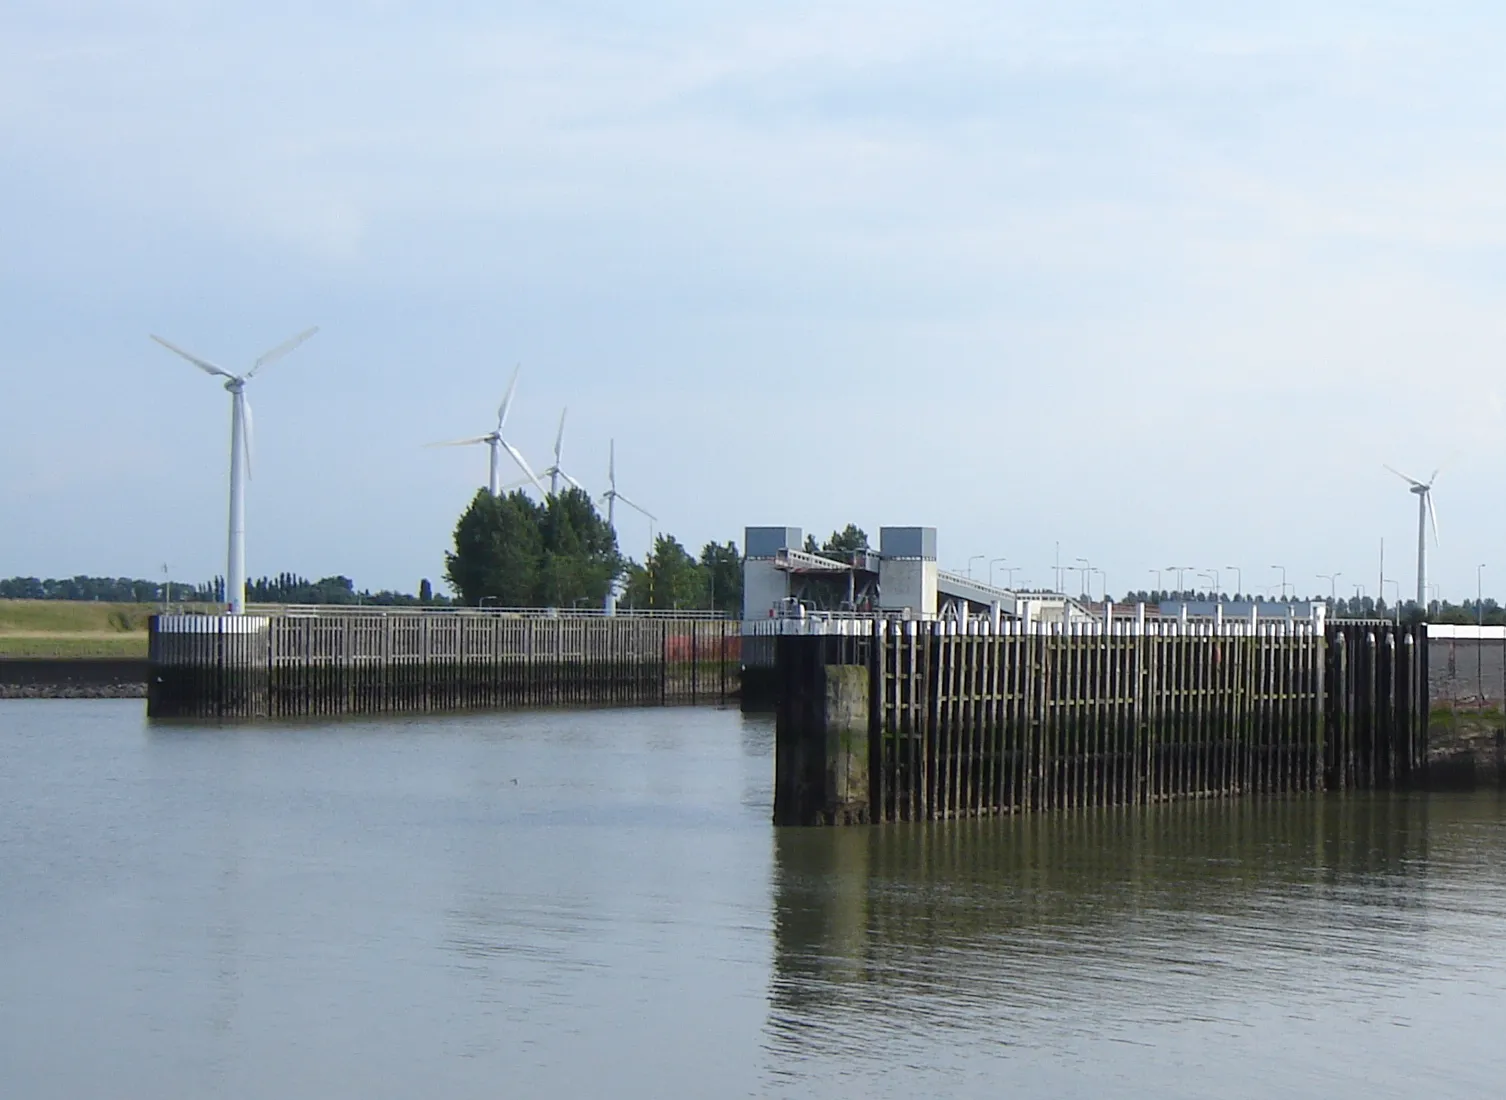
x=1037, y=930
x=589, y=903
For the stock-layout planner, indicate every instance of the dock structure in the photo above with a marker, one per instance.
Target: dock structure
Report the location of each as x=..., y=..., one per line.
x=345, y=661
x=901, y=578
x=907, y=721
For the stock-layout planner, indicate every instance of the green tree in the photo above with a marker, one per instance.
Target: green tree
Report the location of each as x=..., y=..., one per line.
x=580, y=560
x=668, y=579
x=845, y=542
x=498, y=546
x=512, y=552
x=425, y=591
x=723, y=567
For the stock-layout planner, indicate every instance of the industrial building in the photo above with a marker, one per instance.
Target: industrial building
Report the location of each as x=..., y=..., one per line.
x=900, y=580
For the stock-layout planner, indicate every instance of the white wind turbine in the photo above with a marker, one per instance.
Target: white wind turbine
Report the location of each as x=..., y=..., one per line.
x=1425, y=513
x=240, y=456
x=556, y=471
x=612, y=496
x=494, y=440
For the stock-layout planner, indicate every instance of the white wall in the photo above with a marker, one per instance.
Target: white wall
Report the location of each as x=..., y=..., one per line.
x=763, y=587
x=908, y=582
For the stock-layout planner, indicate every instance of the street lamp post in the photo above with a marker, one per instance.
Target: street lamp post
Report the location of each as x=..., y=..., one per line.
x=1087, y=576
x=1396, y=606
x=1212, y=575
x=1103, y=579
x=1157, y=572
x=1332, y=579
x=1239, y=579
x=1283, y=579
x=993, y=562
x=975, y=557
x=1479, y=596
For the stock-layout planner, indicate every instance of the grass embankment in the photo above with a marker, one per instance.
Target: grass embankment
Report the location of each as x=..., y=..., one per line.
x=67, y=628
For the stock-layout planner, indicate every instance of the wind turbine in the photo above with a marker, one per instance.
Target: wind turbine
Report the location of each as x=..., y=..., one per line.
x=494, y=440
x=240, y=456
x=555, y=472
x=1425, y=513
x=612, y=496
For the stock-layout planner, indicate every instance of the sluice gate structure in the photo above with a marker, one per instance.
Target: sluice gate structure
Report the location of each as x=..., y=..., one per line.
x=911, y=721
x=335, y=662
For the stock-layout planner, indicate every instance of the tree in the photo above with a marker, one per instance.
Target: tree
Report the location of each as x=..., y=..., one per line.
x=425, y=591
x=497, y=551
x=580, y=559
x=514, y=553
x=669, y=579
x=723, y=567
x=846, y=542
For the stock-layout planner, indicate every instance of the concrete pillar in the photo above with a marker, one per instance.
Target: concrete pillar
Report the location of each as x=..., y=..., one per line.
x=820, y=738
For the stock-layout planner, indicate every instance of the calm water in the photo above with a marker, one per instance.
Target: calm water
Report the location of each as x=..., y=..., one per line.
x=594, y=904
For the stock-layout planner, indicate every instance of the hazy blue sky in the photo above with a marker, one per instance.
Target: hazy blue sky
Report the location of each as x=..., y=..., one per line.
x=1166, y=282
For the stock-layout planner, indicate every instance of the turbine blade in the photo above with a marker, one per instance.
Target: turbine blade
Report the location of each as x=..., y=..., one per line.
x=559, y=437
x=461, y=442
x=572, y=481
x=1433, y=478
x=281, y=349
x=640, y=508
x=203, y=364
x=517, y=456
x=1433, y=515
x=507, y=399
x=612, y=464
x=245, y=430
x=1404, y=477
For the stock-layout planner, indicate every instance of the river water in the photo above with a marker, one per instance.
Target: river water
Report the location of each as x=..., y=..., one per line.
x=595, y=904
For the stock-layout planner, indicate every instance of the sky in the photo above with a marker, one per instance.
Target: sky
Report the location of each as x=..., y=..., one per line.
x=1162, y=284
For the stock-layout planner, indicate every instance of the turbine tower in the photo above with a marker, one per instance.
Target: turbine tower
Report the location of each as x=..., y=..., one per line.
x=556, y=471
x=612, y=496
x=1425, y=513
x=240, y=456
x=494, y=440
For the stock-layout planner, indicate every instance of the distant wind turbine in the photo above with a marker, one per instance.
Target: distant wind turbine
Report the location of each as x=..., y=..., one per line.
x=240, y=456
x=556, y=471
x=1426, y=512
x=494, y=440
x=612, y=496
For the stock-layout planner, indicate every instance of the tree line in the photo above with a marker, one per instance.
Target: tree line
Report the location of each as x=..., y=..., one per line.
x=281, y=588
x=107, y=590
x=513, y=551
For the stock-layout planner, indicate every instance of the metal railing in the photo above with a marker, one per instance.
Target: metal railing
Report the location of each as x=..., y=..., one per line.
x=367, y=609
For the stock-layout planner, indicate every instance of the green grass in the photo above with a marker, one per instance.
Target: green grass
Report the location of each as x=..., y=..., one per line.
x=70, y=617
x=63, y=647
x=68, y=628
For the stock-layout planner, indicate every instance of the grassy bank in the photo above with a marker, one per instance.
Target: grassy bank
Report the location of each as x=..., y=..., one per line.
x=64, y=628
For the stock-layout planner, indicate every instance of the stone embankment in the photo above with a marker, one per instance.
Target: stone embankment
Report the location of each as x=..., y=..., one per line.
x=1466, y=750
x=73, y=678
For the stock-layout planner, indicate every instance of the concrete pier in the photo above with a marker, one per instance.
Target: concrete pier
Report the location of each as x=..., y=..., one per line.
x=965, y=723
x=333, y=663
